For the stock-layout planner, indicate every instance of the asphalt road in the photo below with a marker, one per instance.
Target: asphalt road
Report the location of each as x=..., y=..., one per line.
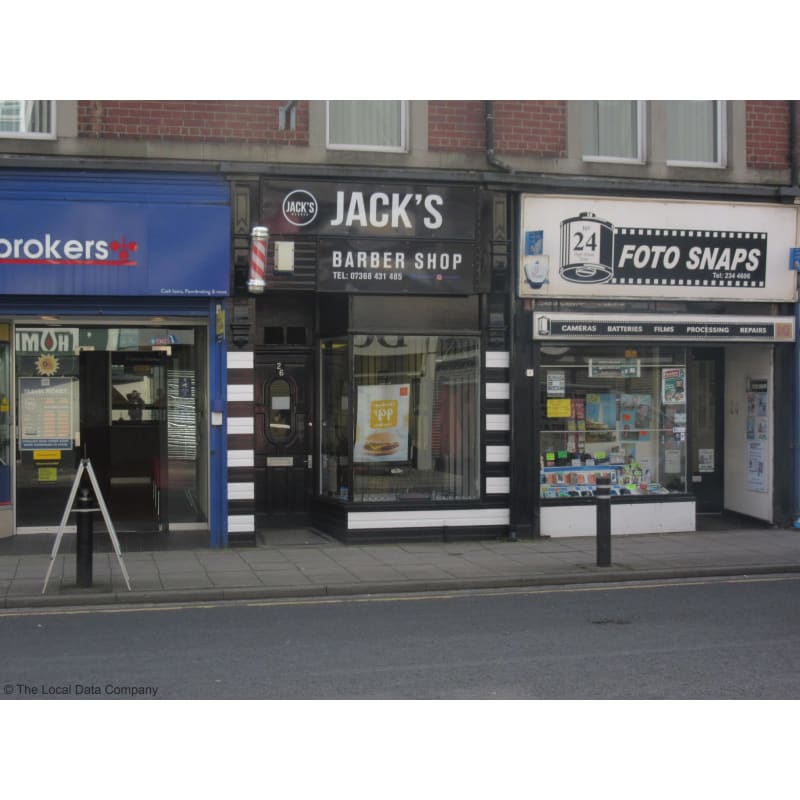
x=719, y=638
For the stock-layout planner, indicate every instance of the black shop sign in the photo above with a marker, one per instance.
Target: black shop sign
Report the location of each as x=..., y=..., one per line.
x=322, y=208
x=379, y=266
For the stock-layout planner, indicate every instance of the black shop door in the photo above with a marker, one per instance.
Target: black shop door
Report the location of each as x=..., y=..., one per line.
x=706, y=389
x=284, y=437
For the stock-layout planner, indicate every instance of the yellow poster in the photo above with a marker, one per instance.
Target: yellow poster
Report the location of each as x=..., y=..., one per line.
x=559, y=407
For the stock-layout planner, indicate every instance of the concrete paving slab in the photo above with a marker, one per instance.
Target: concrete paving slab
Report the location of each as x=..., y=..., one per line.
x=228, y=579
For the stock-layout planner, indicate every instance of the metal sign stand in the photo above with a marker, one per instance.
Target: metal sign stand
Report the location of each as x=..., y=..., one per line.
x=86, y=465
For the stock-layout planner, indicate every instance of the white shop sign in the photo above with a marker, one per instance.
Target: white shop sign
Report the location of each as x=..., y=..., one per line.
x=656, y=249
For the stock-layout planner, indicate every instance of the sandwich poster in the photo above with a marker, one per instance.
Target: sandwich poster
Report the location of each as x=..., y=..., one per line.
x=382, y=423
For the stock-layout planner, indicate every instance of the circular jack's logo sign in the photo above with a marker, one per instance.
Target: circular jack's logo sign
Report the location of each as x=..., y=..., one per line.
x=300, y=208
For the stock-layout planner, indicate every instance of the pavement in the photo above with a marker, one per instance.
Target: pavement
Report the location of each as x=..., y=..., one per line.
x=302, y=563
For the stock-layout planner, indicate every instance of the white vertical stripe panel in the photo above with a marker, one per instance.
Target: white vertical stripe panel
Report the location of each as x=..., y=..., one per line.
x=498, y=391
x=498, y=485
x=240, y=360
x=240, y=425
x=498, y=359
x=241, y=523
x=240, y=393
x=498, y=453
x=498, y=422
x=242, y=491
x=241, y=458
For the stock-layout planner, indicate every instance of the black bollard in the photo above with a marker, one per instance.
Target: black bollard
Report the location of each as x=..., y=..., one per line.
x=603, y=496
x=84, y=543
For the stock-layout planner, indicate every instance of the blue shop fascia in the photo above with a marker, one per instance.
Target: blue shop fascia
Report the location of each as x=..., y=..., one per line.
x=112, y=348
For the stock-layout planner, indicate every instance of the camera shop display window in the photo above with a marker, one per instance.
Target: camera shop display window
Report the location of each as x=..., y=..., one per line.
x=615, y=412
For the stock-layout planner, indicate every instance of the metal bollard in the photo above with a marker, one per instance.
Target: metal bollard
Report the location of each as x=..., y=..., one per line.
x=85, y=536
x=603, y=495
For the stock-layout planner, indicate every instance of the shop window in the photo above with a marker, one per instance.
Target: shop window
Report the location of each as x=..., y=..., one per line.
x=27, y=118
x=696, y=133
x=414, y=428
x=616, y=412
x=367, y=125
x=613, y=130
x=130, y=399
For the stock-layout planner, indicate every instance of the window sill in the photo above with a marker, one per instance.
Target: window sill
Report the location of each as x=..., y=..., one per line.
x=638, y=162
x=697, y=164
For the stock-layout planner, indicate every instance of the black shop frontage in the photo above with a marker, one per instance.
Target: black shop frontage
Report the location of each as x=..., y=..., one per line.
x=379, y=343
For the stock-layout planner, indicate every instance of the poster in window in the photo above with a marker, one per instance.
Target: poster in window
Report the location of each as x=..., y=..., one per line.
x=601, y=417
x=636, y=417
x=673, y=385
x=382, y=423
x=45, y=413
x=756, y=466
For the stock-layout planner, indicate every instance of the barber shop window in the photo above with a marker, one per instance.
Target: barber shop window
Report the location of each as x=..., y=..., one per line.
x=616, y=412
x=414, y=426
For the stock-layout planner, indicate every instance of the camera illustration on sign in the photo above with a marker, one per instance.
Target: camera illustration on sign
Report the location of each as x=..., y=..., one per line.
x=587, y=249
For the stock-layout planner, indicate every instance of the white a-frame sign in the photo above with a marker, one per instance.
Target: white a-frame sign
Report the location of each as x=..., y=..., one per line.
x=87, y=466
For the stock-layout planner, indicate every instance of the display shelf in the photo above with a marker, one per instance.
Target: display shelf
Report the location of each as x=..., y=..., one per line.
x=581, y=481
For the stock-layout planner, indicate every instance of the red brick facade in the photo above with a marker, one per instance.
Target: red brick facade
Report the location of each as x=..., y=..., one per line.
x=534, y=128
x=521, y=127
x=231, y=121
x=767, y=134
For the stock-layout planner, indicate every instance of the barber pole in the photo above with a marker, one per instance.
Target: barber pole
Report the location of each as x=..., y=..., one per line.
x=258, y=260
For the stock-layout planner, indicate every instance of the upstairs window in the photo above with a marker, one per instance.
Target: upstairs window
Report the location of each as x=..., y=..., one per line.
x=696, y=133
x=30, y=119
x=378, y=125
x=613, y=130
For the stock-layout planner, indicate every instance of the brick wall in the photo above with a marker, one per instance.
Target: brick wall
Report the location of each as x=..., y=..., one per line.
x=233, y=121
x=521, y=127
x=767, y=134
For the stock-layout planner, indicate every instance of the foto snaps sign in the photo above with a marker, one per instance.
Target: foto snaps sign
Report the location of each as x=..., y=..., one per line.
x=576, y=247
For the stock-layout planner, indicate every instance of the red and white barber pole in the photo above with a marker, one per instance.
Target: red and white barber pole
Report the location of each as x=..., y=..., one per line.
x=259, y=237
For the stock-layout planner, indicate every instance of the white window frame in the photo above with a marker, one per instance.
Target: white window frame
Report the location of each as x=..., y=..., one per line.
x=402, y=148
x=721, y=144
x=641, y=157
x=22, y=134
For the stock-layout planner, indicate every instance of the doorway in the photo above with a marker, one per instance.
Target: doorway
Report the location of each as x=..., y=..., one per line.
x=284, y=437
x=123, y=432
x=706, y=389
